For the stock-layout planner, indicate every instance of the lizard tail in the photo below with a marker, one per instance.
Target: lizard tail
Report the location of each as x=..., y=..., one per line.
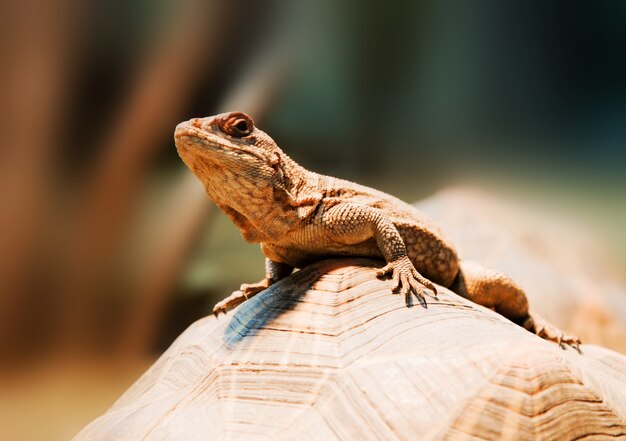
x=493, y=289
x=497, y=291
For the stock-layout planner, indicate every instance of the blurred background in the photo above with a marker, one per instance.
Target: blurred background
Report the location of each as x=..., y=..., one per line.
x=109, y=247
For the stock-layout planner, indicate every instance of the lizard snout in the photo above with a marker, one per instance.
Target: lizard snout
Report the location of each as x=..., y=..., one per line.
x=188, y=128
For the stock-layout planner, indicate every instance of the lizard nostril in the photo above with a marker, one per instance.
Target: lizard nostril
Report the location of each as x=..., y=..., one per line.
x=196, y=122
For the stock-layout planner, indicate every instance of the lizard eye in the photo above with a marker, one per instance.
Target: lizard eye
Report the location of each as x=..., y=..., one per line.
x=237, y=124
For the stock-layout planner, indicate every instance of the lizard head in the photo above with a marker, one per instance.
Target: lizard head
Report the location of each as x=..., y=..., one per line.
x=228, y=140
x=240, y=166
x=229, y=154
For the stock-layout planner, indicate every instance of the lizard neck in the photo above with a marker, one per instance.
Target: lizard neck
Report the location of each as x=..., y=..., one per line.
x=265, y=209
x=297, y=179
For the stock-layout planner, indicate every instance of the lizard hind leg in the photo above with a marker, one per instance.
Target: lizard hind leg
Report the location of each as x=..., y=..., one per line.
x=497, y=291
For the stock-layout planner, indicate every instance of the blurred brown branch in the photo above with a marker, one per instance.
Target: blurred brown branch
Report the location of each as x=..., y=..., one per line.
x=67, y=276
x=163, y=261
x=163, y=84
x=36, y=45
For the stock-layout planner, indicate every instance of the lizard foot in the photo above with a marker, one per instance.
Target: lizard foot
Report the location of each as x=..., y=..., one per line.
x=246, y=291
x=407, y=280
x=548, y=331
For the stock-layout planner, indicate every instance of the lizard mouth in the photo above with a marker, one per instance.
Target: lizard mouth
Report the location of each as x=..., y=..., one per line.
x=189, y=136
x=185, y=132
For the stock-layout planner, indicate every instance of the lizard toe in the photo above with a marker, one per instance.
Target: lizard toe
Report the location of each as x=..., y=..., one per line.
x=548, y=331
x=421, y=298
x=395, y=287
x=417, y=289
x=571, y=341
x=219, y=308
x=427, y=283
x=405, y=286
x=385, y=271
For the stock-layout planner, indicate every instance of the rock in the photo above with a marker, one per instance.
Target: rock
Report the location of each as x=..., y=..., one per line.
x=330, y=353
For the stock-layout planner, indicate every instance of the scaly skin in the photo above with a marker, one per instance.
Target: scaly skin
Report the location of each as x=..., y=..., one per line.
x=299, y=217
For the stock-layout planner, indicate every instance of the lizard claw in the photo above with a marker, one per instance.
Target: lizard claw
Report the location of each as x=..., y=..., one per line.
x=406, y=280
x=246, y=291
x=548, y=331
x=221, y=307
x=572, y=341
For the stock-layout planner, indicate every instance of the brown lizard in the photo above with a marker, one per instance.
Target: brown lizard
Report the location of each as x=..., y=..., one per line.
x=299, y=217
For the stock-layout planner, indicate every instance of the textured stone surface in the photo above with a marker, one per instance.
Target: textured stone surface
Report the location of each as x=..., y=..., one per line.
x=329, y=353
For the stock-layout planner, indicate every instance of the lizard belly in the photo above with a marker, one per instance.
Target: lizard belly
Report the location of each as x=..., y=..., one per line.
x=301, y=255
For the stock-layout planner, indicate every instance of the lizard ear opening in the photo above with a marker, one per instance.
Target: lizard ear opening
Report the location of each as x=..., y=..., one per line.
x=236, y=124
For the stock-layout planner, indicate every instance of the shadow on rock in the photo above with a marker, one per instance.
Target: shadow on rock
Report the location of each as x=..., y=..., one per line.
x=255, y=314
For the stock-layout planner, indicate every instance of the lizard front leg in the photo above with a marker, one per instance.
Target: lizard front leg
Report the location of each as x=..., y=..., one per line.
x=353, y=223
x=274, y=271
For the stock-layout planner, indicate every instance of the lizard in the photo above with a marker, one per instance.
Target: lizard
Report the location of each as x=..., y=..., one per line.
x=299, y=217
